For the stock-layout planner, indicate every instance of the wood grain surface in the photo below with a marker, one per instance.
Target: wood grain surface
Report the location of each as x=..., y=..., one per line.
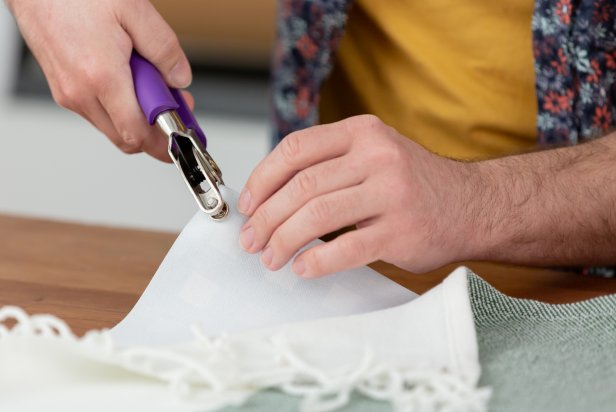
x=92, y=276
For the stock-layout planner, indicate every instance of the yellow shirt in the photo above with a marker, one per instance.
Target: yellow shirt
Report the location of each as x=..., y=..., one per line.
x=455, y=76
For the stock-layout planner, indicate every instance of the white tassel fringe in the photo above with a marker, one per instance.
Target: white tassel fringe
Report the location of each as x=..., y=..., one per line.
x=210, y=373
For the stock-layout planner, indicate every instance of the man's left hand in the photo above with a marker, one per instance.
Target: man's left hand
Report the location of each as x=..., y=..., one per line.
x=407, y=203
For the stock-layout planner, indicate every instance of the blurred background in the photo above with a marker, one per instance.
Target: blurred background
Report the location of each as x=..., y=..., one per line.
x=55, y=165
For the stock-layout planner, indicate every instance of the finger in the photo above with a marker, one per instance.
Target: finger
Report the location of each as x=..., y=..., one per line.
x=155, y=40
x=308, y=184
x=96, y=114
x=350, y=250
x=321, y=215
x=189, y=98
x=98, y=117
x=117, y=96
x=157, y=146
x=101, y=120
x=296, y=152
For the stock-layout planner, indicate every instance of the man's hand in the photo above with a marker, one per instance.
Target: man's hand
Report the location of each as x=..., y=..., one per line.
x=420, y=211
x=408, y=204
x=84, y=48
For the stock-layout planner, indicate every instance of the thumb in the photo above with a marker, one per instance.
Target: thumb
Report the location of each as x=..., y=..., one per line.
x=156, y=41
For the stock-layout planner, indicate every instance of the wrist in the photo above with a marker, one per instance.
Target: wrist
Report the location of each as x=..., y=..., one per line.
x=465, y=228
x=489, y=211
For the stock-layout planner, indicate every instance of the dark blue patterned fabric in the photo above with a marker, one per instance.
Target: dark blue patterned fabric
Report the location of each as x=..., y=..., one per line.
x=308, y=35
x=575, y=69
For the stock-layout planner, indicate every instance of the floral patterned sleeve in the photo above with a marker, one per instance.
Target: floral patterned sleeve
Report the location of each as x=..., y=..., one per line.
x=574, y=46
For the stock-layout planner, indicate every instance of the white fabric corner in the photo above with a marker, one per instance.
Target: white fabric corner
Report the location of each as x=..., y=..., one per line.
x=207, y=280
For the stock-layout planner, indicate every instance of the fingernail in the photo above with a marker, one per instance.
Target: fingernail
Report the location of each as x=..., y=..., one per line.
x=299, y=267
x=180, y=75
x=266, y=257
x=247, y=238
x=244, y=204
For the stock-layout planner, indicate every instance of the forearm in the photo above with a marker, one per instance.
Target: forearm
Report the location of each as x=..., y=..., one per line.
x=555, y=207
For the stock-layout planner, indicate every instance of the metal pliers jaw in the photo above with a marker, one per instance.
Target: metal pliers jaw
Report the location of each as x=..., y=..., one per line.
x=199, y=170
x=187, y=143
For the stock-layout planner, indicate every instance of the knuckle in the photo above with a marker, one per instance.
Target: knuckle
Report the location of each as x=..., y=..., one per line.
x=168, y=49
x=95, y=75
x=371, y=120
x=281, y=243
x=303, y=182
x=62, y=99
x=277, y=243
x=364, y=129
x=313, y=262
x=131, y=142
x=128, y=149
x=261, y=219
x=66, y=96
x=353, y=246
x=290, y=147
x=387, y=153
x=368, y=122
x=319, y=210
x=356, y=166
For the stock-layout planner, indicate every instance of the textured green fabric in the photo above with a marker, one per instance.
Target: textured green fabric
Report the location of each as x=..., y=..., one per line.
x=270, y=401
x=542, y=357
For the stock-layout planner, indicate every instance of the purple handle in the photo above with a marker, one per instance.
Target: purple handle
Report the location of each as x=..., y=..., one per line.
x=152, y=92
x=155, y=97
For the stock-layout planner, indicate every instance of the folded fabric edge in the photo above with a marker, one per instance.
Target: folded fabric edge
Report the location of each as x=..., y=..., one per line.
x=464, y=350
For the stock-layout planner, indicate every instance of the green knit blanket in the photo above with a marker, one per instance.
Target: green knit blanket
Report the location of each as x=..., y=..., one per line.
x=535, y=356
x=542, y=357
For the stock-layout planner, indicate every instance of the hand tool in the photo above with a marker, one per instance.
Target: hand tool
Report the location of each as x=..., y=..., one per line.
x=167, y=108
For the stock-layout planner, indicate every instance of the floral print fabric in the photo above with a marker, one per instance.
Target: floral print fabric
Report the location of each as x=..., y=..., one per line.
x=308, y=35
x=574, y=46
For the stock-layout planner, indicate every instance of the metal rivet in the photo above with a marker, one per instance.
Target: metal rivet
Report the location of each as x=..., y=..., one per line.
x=223, y=212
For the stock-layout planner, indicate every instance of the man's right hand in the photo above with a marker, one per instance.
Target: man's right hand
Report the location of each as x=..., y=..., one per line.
x=84, y=49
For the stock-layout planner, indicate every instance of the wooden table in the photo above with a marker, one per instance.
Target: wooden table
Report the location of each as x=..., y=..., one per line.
x=91, y=276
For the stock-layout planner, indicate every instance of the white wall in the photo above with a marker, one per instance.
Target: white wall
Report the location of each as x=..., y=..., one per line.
x=55, y=165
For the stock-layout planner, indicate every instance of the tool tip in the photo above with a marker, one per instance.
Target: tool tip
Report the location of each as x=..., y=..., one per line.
x=223, y=212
